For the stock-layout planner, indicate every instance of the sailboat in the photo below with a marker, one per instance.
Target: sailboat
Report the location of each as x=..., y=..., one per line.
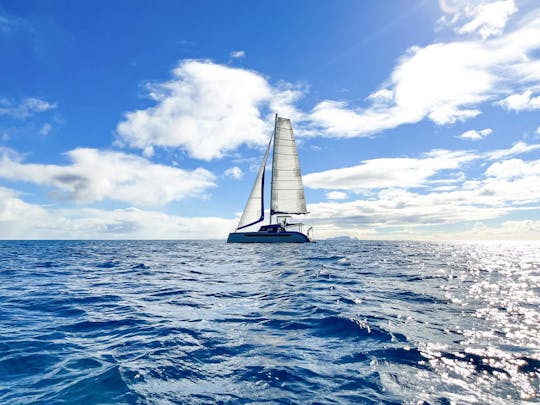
x=286, y=196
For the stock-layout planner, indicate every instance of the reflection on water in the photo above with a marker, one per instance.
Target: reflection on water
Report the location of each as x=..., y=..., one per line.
x=490, y=351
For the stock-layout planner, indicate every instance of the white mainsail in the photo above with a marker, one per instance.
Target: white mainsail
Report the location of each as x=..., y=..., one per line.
x=287, y=188
x=254, y=210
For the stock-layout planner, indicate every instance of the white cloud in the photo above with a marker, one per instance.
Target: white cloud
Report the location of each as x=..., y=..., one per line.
x=96, y=175
x=336, y=195
x=389, y=172
x=524, y=229
x=516, y=149
x=381, y=97
x=451, y=114
x=402, y=172
x=237, y=54
x=234, y=173
x=518, y=102
x=474, y=135
x=400, y=208
x=513, y=168
x=13, y=211
x=435, y=82
x=489, y=18
x=208, y=110
x=391, y=211
x=20, y=220
x=508, y=186
x=508, y=230
x=445, y=82
x=27, y=107
x=45, y=129
x=388, y=210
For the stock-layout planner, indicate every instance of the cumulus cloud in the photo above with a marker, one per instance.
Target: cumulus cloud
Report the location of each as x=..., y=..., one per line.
x=208, y=110
x=381, y=97
x=26, y=108
x=234, y=173
x=488, y=19
x=336, y=195
x=524, y=229
x=507, y=230
x=20, y=220
x=389, y=172
x=237, y=54
x=96, y=175
x=390, y=208
x=45, y=129
x=432, y=168
x=516, y=149
x=474, y=135
x=518, y=102
x=513, y=169
x=394, y=207
x=13, y=211
x=443, y=82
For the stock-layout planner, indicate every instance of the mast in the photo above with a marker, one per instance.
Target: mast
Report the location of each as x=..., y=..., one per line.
x=272, y=178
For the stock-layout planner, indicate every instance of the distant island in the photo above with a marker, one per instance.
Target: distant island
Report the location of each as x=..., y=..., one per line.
x=344, y=237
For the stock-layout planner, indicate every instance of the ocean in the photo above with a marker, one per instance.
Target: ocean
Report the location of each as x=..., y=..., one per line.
x=363, y=322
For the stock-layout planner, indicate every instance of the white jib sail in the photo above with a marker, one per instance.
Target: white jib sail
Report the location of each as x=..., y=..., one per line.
x=254, y=210
x=287, y=188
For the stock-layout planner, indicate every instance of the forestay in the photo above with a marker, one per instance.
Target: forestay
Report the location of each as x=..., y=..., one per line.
x=287, y=188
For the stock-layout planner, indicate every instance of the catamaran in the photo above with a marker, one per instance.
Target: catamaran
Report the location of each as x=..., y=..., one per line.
x=286, y=195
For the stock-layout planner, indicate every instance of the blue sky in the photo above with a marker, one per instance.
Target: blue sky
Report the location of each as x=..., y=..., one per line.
x=414, y=120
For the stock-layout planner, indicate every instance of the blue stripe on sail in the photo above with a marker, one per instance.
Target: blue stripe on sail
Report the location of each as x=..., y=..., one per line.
x=272, y=212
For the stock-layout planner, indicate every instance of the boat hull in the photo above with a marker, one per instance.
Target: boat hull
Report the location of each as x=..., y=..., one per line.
x=265, y=237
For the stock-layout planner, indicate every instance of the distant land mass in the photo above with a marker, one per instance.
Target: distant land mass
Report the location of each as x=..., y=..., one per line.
x=344, y=237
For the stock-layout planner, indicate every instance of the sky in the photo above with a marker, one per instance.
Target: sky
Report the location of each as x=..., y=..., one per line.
x=148, y=120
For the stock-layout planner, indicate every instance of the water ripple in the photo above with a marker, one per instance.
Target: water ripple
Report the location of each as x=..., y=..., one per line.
x=332, y=322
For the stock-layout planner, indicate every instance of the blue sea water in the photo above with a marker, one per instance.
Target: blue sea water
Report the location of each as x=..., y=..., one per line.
x=163, y=322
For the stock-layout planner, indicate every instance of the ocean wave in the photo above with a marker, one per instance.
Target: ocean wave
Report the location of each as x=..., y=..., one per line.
x=332, y=322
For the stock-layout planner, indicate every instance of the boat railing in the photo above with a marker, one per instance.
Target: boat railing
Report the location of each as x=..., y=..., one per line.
x=299, y=226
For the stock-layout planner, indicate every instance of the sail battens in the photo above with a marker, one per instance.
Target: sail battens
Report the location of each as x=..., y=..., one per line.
x=287, y=188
